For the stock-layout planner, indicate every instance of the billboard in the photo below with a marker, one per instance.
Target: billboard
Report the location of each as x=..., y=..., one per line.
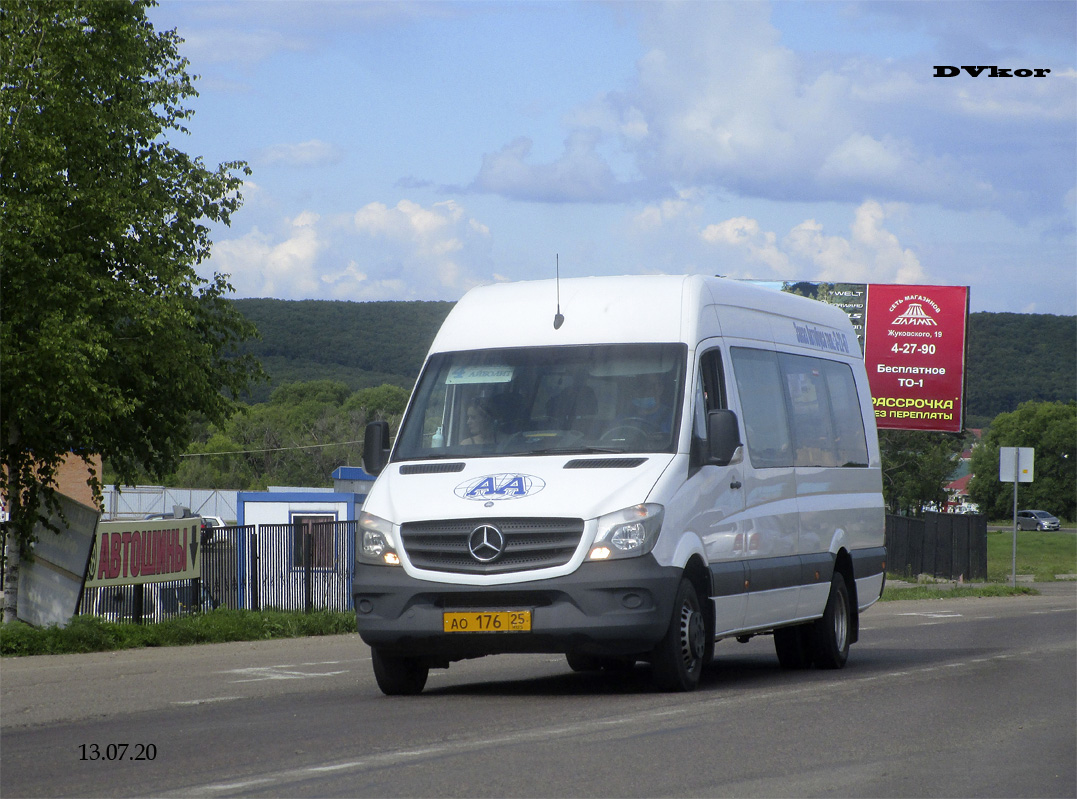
x=914, y=341
x=914, y=351
x=133, y=553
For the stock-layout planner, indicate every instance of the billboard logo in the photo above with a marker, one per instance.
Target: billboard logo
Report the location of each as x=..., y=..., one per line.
x=913, y=316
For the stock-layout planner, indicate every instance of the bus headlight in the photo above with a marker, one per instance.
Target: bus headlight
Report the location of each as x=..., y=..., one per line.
x=376, y=543
x=627, y=533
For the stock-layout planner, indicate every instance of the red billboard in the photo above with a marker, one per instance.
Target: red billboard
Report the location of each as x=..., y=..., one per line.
x=914, y=344
x=914, y=352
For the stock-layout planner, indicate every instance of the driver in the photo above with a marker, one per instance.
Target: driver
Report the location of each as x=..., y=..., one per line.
x=481, y=422
x=650, y=404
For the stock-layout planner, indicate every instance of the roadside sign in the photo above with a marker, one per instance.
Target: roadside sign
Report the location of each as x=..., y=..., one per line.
x=139, y=552
x=1015, y=464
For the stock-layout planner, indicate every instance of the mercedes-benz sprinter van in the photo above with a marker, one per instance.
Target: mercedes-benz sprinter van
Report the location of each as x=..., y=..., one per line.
x=624, y=469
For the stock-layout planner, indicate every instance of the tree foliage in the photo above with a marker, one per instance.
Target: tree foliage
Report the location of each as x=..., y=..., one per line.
x=1015, y=358
x=1051, y=429
x=110, y=337
x=361, y=344
x=916, y=468
x=299, y=437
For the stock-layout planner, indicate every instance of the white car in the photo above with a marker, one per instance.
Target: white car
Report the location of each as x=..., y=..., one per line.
x=208, y=523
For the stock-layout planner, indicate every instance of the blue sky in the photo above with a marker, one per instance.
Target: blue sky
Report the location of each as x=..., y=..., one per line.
x=414, y=150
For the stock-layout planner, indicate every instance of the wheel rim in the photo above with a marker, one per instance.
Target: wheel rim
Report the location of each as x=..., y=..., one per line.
x=841, y=621
x=692, y=635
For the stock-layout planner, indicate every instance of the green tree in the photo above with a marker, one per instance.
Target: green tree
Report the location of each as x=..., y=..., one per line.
x=218, y=462
x=1051, y=429
x=110, y=337
x=1015, y=358
x=299, y=437
x=382, y=402
x=916, y=467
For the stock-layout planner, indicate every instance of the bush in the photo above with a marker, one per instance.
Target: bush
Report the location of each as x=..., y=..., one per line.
x=92, y=634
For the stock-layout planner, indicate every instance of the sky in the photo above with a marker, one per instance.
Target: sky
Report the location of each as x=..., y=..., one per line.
x=414, y=150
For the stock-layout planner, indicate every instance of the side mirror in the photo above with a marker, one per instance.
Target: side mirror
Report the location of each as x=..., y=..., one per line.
x=723, y=437
x=376, y=447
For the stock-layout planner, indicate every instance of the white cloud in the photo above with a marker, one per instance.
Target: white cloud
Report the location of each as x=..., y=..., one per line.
x=249, y=47
x=311, y=153
x=413, y=252
x=580, y=174
x=403, y=252
x=719, y=101
x=759, y=246
x=869, y=254
x=260, y=267
x=661, y=214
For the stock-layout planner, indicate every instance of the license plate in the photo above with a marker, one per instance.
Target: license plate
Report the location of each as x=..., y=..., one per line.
x=487, y=621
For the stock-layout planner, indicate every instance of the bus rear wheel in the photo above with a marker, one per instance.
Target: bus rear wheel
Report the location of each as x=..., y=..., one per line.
x=831, y=632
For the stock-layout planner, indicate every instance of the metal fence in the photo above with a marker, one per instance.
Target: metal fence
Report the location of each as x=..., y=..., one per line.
x=135, y=502
x=301, y=567
x=292, y=567
x=945, y=545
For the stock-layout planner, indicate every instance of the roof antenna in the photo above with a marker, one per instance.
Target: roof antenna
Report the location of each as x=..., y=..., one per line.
x=558, y=318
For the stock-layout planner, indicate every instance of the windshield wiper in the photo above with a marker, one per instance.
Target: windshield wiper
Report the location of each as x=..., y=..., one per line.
x=570, y=451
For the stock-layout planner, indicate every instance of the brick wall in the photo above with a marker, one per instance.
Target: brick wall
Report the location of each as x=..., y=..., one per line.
x=72, y=475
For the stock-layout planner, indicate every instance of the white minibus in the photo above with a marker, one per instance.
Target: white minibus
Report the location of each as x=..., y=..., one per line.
x=624, y=469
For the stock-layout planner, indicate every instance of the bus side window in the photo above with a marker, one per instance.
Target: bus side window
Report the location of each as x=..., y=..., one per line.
x=710, y=392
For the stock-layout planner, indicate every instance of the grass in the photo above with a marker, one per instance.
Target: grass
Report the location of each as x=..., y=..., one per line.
x=92, y=634
x=950, y=591
x=1043, y=555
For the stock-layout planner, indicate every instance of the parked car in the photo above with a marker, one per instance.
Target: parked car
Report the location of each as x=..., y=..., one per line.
x=208, y=523
x=117, y=603
x=159, y=601
x=1036, y=520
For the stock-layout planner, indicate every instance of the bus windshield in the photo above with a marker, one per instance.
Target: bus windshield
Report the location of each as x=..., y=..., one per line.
x=542, y=400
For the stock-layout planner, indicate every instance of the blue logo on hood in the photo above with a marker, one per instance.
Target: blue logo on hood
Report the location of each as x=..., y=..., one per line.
x=497, y=487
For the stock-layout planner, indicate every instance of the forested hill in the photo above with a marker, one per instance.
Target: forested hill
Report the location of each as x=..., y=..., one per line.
x=360, y=344
x=1012, y=357
x=1016, y=357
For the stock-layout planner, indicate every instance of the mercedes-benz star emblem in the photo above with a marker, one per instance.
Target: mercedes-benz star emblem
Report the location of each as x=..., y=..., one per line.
x=486, y=543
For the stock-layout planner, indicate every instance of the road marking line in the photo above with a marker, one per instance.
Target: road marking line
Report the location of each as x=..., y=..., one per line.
x=582, y=728
x=939, y=615
x=262, y=673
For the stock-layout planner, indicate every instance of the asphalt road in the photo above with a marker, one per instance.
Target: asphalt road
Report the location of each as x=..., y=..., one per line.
x=947, y=697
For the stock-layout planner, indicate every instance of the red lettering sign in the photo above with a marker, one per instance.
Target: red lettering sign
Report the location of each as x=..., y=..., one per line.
x=116, y=556
x=103, y=562
x=914, y=352
x=144, y=552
